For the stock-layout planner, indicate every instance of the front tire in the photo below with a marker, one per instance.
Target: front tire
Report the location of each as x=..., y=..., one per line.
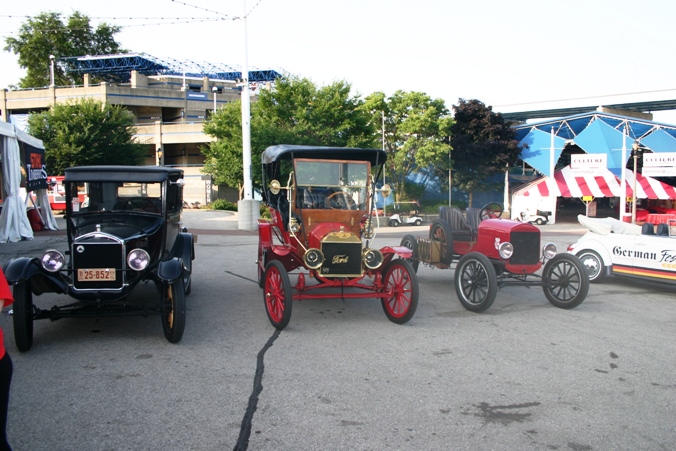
x=411, y=242
x=277, y=294
x=594, y=265
x=23, y=316
x=566, y=281
x=476, y=282
x=173, y=312
x=394, y=223
x=401, y=282
x=418, y=222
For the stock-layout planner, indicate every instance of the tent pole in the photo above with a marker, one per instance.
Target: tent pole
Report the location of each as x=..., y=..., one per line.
x=623, y=184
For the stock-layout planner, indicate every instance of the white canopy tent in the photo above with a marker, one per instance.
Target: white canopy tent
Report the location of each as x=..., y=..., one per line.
x=14, y=223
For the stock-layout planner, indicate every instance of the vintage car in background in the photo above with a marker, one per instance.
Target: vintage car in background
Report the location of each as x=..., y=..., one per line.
x=127, y=231
x=614, y=247
x=322, y=228
x=490, y=253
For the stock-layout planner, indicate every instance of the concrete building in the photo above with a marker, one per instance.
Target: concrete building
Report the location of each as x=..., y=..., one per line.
x=170, y=108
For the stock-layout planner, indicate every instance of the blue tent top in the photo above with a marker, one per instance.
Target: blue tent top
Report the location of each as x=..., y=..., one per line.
x=593, y=132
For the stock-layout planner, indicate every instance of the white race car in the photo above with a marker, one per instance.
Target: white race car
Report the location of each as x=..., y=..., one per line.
x=613, y=247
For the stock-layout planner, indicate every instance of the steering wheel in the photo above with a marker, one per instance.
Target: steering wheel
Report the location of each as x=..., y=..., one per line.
x=347, y=202
x=491, y=210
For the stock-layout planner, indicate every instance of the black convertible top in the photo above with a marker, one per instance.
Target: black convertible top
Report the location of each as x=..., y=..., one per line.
x=120, y=173
x=288, y=151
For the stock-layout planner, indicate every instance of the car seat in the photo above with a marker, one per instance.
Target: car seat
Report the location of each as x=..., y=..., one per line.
x=662, y=230
x=456, y=220
x=648, y=229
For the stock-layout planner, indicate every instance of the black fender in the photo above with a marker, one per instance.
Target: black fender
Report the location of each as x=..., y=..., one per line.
x=170, y=270
x=184, y=248
x=21, y=269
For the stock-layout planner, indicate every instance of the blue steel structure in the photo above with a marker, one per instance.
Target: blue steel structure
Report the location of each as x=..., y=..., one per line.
x=117, y=68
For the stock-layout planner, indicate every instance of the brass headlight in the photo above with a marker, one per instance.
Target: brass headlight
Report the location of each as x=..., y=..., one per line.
x=386, y=190
x=275, y=187
x=372, y=258
x=313, y=258
x=293, y=225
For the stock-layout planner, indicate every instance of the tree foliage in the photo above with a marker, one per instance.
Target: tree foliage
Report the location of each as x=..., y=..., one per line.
x=46, y=34
x=483, y=146
x=295, y=112
x=416, y=134
x=86, y=132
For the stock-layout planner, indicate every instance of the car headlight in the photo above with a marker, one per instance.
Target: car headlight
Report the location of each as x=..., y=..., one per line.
x=372, y=258
x=506, y=249
x=53, y=260
x=138, y=259
x=549, y=250
x=313, y=258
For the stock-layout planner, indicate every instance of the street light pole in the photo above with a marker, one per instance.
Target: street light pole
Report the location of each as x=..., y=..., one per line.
x=215, y=91
x=636, y=151
x=51, y=70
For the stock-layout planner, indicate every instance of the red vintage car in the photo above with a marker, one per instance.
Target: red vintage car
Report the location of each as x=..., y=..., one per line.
x=322, y=230
x=490, y=253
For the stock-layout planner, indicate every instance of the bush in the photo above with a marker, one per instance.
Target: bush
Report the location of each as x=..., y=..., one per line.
x=222, y=204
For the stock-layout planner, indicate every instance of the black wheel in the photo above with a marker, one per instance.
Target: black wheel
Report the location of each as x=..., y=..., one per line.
x=23, y=316
x=418, y=222
x=491, y=210
x=411, y=242
x=566, y=281
x=187, y=283
x=401, y=283
x=476, y=283
x=441, y=232
x=594, y=265
x=173, y=311
x=539, y=221
x=277, y=294
x=394, y=223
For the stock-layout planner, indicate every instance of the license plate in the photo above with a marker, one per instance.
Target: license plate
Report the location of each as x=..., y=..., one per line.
x=95, y=274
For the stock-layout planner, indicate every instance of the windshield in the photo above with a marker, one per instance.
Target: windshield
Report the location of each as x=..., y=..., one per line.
x=117, y=196
x=322, y=184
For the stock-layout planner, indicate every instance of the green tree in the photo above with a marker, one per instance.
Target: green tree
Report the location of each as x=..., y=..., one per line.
x=295, y=112
x=87, y=132
x=46, y=34
x=416, y=134
x=483, y=147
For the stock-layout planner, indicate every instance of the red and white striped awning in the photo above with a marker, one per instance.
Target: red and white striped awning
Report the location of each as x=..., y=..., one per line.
x=606, y=184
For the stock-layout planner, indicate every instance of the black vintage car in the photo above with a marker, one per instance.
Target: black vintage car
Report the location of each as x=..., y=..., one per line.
x=127, y=230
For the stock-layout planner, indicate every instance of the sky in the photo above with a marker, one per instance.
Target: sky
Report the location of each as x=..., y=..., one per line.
x=510, y=55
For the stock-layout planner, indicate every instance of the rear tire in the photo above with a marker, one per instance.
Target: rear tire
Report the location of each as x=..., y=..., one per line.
x=566, y=281
x=418, y=222
x=411, y=242
x=441, y=232
x=593, y=263
x=23, y=316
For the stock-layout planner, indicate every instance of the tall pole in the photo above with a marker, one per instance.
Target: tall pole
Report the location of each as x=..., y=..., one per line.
x=384, y=165
x=51, y=70
x=623, y=179
x=215, y=91
x=247, y=208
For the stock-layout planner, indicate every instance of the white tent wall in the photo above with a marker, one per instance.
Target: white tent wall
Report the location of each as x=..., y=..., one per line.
x=14, y=223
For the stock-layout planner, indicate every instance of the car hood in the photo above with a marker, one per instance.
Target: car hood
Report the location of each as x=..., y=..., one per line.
x=121, y=226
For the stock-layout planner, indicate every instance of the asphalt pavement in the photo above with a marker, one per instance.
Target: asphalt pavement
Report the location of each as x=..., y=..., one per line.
x=523, y=375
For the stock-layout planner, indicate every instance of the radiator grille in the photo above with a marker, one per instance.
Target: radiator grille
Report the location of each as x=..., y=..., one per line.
x=99, y=253
x=526, y=248
x=341, y=259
